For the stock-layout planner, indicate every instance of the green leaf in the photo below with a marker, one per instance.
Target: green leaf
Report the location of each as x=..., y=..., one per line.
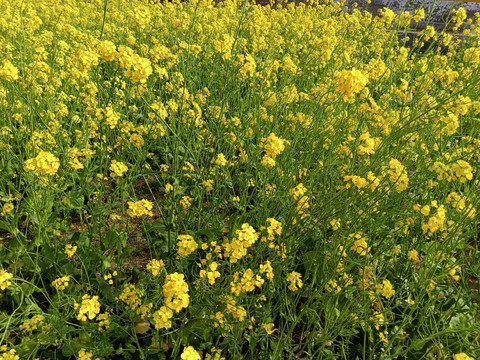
x=105, y=289
x=115, y=238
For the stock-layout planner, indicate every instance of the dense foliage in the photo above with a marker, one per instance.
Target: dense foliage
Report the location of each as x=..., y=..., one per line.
x=225, y=181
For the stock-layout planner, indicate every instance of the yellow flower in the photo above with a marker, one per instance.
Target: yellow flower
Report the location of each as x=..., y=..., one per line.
x=413, y=255
x=117, y=168
x=61, y=283
x=85, y=355
x=220, y=160
x=154, y=266
x=269, y=328
x=90, y=308
x=350, y=82
x=44, y=164
x=70, y=250
x=273, y=144
x=186, y=245
x=208, y=185
x=189, y=353
x=8, y=71
x=175, y=292
x=267, y=268
x=462, y=356
x=8, y=207
x=4, y=279
x=186, y=202
x=139, y=208
x=162, y=318
x=34, y=323
x=295, y=281
x=387, y=289
x=462, y=170
x=10, y=355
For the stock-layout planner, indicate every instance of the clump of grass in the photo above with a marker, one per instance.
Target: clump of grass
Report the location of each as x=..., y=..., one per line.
x=223, y=181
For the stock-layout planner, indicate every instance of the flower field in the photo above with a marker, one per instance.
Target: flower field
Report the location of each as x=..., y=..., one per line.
x=226, y=180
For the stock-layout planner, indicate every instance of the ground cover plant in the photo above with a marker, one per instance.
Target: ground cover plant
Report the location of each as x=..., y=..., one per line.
x=225, y=181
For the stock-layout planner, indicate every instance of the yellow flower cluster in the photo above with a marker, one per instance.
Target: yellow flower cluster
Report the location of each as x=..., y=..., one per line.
x=274, y=146
x=211, y=275
x=35, y=323
x=4, y=279
x=436, y=222
x=295, y=280
x=117, y=168
x=237, y=248
x=8, y=71
x=267, y=268
x=140, y=208
x=275, y=228
x=186, y=245
x=70, y=250
x=189, y=353
x=350, y=82
x=131, y=296
x=237, y=311
x=360, y=244
x=186, y=202
x=155, y=266
x=90, y=307
x=9, y=355
x=85, y=355
x=8, y=207
x=162, y=318
x=44, y=163
x=460, y=170
x=61, y=283
x=103, y=322
x=386, y=289
x=175, y=292
x=459, y=203
x=247, y=283
x=398, y=175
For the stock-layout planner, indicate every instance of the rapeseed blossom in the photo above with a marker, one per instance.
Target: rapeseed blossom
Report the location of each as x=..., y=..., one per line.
x=350, y=82
x=61, y=283
x=162, y=318
x=70, y=250
x=295, y=280
x=175, y=292
x=35, y=323
x=8, y=71
x=186, y=245
x=9, y=355
x=189, y=353
x=462, y=356
x=4, y=279
x=155, y=266
x=45, y=163
x=85, y=355
x=140, y=208
x=386, y=289
x=117, y=168
x=89, y=308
